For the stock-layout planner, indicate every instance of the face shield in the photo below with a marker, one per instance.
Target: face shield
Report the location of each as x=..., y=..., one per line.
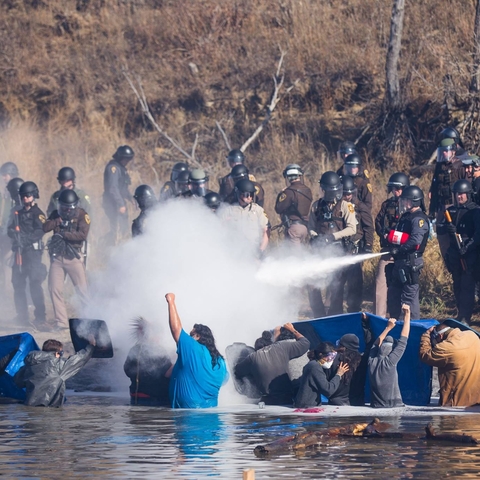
x=198, y=188
x=67, y=211
x=350, y=195
x=333, y=194
x=460, y=199
x=445, y=154
x=182, y=187
x=404, y=205
x=351, y=169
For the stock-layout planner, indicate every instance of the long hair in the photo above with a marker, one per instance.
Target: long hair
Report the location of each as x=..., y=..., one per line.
x=353, y=359
x=207, y=339
x=264, y=341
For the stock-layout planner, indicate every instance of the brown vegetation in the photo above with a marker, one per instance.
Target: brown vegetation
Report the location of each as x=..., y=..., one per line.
x=65, y=101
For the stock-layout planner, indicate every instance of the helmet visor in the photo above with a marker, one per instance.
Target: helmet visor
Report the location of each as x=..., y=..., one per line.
x=404, y=205
x=67, y=211
x=333, y=194
x=445, y=154
x=199, y=188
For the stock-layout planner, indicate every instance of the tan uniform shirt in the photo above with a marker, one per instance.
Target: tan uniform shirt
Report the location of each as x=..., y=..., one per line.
x=347, y=210
x=251, y=220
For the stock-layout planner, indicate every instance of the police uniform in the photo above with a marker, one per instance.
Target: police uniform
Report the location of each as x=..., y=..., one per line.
x=293, y=205
x=354, y=245
x=167, y=191
x=364, y=187
x=83, y=200
x=67, y=259
x=403, y=278
x=250, y=221
x=138, y=225
x=444, y=176
x=26, y=232
x=115, y=195
x=231, y=198
x=227, y=185
x=386, y=220
x=338, y=221
x=464, y=265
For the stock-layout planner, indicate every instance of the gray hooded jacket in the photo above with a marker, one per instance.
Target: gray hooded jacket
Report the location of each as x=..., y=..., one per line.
x=44, y=376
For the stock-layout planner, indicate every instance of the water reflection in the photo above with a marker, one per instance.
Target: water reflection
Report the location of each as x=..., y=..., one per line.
x=106, y=437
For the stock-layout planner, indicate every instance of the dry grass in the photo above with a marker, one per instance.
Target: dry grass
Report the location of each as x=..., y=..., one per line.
x=65, y=101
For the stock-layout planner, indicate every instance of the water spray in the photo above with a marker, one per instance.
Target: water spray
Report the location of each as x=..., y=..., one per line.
x=299, y=271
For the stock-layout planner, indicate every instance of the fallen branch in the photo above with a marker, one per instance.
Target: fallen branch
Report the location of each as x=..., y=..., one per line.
x=142, y=99
x=224, y=135
x=275, y=98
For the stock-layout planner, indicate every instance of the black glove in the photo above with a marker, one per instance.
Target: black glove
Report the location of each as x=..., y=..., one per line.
x=368, y=249
x=463, y=250
x=394, y=251
x=451, y=228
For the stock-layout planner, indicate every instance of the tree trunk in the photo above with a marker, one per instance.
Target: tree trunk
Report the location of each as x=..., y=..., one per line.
x=475, y=83
x=393, y=54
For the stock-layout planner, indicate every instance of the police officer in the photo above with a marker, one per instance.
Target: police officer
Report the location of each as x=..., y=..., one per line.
x=66, y=178
x=169, y=190
x=240, y=172
x=116, y=194
x=293, y=205
x=448, y=170
x=353, y=167
x=26, y=232
x=70, y=225
x=361, y=242
x=331, y=220
x=408, y=241
x=452, y=133
x=234, y=157
x=344, y=150
x=246, y=216
x=198, y=181
x=182, y=185
x=462, y=257
x=212, y=201
x=145, y=197
x=386, y=220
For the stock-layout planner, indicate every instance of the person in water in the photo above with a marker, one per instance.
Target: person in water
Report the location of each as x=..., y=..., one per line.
x=200, y=370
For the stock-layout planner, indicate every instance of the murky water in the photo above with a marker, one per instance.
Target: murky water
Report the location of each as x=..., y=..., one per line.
x=103, y=437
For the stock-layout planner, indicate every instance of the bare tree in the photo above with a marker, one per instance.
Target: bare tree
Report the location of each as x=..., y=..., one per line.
x=475, y=82
x=394, y=97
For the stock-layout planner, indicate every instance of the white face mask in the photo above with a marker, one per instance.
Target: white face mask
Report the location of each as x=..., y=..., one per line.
x=327, y=365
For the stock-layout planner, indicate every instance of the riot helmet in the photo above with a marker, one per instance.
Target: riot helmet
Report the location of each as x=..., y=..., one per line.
x=13, y=187
x=292, y=172
x=181, y=183
x=244, y=189
x=239, y=172
x=66, y=175
x=145, y=197
x=450, y=132
x=212, y=200
x=235, y=157
x=446, y=150
x=461, y=187
x=198, y=180
x=125, y=153
x=177, y=168
x=28, y=189
x=10, y=169
x=411, y=197
x=349, y=187
x=398, y=181
x=352, y=165
x=67, y=204
x=345, y=149
x=332, y=187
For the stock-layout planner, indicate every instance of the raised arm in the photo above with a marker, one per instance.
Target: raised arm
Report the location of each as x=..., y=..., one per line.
x=390, y=325
x=173, y=318
x=406, y=320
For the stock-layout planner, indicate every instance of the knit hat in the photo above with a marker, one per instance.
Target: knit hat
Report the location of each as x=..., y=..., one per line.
x=350, y=341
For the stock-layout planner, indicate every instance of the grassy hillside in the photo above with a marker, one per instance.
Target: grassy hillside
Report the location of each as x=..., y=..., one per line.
x=64, y=99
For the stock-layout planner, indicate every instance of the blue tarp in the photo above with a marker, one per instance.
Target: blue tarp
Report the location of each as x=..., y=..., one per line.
x=415, y=378
x=25, y=343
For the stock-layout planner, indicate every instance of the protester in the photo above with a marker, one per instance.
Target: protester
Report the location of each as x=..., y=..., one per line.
x=45, y=373
x=147, y=367
x=382, y=364
x=456, y=354
x=348, y=353
x=268, y=366
x=200, y=370
x=314, y=382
